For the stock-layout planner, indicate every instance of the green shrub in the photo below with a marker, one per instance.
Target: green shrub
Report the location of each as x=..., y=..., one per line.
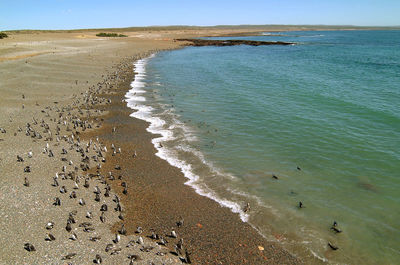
x=103, y=34
x=3, y=35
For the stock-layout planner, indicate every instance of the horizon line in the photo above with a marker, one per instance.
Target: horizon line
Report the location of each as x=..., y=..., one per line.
x=210, y=26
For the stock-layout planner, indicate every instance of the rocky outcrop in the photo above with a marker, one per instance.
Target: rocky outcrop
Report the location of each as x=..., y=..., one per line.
x=202, y=42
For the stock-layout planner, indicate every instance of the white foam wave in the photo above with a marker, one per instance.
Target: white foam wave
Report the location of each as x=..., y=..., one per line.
x=156, y=126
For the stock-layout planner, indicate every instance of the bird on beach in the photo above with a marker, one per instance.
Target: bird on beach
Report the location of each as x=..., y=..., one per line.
x=187, y=259
x=89, y=215
x=117, y=238
x=73, y=236
x=57, y=201
x=102, y=217
x=139, y=230
x=68, y=227
x=180, y=222
x=50, y=237
x=246, y=208
x=122, y=231
x=173, y=234
x=49, y=225
x=26, y=182
x=98, y=259
x=109, y=247
x=82, y=202
x=69, y=256
x=29, y=247
x=72, y=195
x=120, y=216
x=301, y=205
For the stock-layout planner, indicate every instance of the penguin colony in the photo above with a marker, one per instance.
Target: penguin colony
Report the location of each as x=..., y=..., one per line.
x=58, y=129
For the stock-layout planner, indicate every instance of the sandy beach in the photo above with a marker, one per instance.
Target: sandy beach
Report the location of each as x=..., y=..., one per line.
x=67, y=149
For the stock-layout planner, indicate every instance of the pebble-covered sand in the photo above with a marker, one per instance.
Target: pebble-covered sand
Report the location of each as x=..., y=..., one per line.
x=65, y=196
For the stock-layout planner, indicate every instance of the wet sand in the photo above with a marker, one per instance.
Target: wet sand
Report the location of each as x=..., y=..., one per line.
x=47, y=74
x=157, y=199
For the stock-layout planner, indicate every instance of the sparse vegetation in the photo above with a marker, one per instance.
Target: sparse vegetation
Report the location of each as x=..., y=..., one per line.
x=3, y=35
x=103, y=34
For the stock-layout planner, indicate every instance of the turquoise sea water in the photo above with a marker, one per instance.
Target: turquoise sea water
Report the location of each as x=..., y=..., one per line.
x=231, y=117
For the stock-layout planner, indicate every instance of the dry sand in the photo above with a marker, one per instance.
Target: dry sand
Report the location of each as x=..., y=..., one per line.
x=44, y=79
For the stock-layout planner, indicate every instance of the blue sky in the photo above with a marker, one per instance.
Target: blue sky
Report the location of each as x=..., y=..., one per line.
x=73, y=14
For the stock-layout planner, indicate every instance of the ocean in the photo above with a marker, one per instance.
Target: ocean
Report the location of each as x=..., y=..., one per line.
x=317, y=122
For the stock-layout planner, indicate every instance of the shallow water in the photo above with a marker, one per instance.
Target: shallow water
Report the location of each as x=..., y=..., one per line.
x=231, y=117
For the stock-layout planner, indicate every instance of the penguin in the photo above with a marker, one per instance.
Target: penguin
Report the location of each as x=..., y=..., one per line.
x=117, y=238
x=140, y=241
x=246, y=208
x=57, y=201
x=180, y=222
x=332, y=246
x=120, y=216
x=180, y=244
x=139, y=230
x=55, y=184
x=89, y=215
x=63, y=189
x=86, y=185
x=72, y=195
x=187, y=257
x=29, y=247
x=133, y=258
x=82, y=202
x=97, y=197
x=173, y=234
x=102, y=217
x=162, y=242
x=122, y=231
x=26, y=182
x=50, y=237
x=109, y=247
x=49, y=225
x=73, y=237
x=98, y=259
x=69, y=256
x=68, y=227
x=335, y=227
x=104, y=208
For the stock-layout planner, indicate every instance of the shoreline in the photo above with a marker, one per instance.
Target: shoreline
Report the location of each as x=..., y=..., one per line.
x=154, y=205
x=213, y=233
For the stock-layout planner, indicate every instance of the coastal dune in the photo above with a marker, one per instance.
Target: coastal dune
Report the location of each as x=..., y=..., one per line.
x=64, y=93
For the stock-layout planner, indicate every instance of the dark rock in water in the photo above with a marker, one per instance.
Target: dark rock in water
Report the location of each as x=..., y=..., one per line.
x=201, y=42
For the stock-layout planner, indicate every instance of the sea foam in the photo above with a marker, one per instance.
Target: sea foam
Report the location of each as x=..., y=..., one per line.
x=136, y=101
